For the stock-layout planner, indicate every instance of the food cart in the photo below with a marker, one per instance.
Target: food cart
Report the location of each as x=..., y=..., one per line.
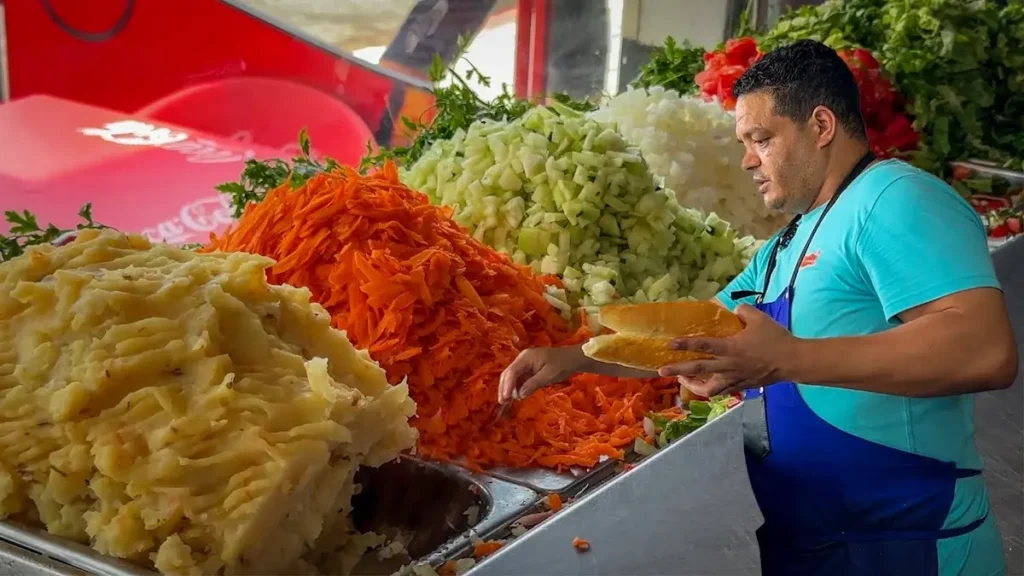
x=686, y=509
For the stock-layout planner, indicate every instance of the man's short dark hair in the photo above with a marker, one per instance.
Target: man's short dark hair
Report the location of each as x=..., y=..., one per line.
x=802, y=76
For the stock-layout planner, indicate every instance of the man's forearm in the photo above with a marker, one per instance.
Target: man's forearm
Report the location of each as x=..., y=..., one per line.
x=935, y=355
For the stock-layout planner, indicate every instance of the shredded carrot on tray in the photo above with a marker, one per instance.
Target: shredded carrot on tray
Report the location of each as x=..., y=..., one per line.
x=485, y=549
x=444, y=311
x=554, y=502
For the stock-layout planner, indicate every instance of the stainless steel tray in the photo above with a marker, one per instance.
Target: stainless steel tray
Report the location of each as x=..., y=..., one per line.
x=425, y=504
x=57, y=552
x=547, y=481
x=17, y=561
x=992, y=170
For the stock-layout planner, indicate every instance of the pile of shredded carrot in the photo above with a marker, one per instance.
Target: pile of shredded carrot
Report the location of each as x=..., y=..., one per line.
x=448, y=313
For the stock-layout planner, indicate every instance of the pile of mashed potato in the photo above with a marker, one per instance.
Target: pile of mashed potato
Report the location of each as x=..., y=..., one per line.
x=175, y=410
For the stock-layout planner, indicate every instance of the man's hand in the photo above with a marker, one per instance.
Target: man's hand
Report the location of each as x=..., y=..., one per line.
x=754, y=357
x=539, y=367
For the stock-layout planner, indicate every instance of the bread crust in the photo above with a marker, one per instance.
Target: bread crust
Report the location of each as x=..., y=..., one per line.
x=644, y=332
x=671, y=319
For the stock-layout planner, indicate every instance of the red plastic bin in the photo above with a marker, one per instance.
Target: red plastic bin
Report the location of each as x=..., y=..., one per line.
x=267, y=112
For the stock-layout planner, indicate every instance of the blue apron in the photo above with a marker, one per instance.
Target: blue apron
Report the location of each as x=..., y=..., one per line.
x=835, y=504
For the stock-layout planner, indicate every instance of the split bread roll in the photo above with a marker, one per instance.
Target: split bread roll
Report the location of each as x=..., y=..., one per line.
x=644, y=332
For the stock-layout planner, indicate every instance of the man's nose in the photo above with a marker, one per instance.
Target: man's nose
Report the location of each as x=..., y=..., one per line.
x=750, y=160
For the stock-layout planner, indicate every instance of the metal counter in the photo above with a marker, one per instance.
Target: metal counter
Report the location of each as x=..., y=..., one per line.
x=689, y=508
x=686, y=510
x=999, y=418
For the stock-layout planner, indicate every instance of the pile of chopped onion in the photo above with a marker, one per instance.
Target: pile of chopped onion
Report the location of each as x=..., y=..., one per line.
x=567, y=195
x=691, y=145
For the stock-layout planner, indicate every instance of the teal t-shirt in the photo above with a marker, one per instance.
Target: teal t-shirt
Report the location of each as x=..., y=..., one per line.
x=897, y=238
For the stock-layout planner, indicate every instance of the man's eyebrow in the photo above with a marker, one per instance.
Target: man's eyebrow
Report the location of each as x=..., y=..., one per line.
x=748, y=132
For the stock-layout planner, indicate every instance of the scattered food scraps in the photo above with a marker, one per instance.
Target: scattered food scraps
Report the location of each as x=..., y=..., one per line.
x=580, y=544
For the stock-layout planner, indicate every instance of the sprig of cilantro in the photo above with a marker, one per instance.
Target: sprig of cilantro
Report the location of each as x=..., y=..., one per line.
x=456, y=107
x=672, y=66
x=25, y=231
x=700, y=412
x=957, y=61
x=261, y=176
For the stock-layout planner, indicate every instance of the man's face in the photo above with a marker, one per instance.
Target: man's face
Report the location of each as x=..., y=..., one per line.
x=782, y=155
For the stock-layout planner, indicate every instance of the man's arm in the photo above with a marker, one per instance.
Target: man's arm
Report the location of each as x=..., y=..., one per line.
x=958, y=344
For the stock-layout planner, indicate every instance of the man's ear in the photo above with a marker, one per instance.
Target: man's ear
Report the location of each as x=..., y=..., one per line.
x=825, y=125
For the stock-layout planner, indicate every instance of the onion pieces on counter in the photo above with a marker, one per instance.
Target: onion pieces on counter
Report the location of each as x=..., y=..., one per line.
x=691, y=145
x=442, y=310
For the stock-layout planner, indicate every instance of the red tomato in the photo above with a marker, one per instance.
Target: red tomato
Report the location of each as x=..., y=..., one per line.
x=961, y=172
x=1013, y=225
x=901, y=135
x=867, y=58
x=984, y=204
x=742, y=49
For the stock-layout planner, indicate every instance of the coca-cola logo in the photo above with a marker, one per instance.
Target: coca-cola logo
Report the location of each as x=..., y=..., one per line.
x=194, y=222
x=135, y=133
x=204, y=151
x=196, y=150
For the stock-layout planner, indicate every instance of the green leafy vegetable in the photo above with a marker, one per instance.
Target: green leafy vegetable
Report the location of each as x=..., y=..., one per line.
x=1007, y=119
x=959, y=62
x=672, y=66
x=25, y=231
x=261, y=176
x=937, y=51
x=700, y=413
x=838, y=23
x=457, y=107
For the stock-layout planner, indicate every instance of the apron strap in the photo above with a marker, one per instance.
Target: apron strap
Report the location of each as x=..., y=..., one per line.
x=860, y=167
x=790, y=231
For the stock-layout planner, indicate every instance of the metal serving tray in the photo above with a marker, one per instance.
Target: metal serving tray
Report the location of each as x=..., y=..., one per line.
x=425, y=505
x=547, y=481
x=992, y=170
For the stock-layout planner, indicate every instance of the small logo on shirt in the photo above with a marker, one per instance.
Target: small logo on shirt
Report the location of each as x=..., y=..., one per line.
x=810, y=259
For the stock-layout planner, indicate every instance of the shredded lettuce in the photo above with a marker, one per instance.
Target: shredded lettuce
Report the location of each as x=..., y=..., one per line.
x=700, y=413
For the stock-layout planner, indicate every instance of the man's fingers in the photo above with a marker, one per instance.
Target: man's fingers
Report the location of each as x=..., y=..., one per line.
x=544, y=377
x=713, y=346
x=511, y=378
x=695, y=385
x=695, y=368
x=710, y=386
x=720, y=384
x=748, y=314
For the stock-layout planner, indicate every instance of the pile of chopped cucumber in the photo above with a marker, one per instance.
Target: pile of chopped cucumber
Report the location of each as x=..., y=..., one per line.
x=568, y=196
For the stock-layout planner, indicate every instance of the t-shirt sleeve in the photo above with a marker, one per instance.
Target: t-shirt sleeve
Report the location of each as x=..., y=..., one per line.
x=749, y=279
x=921, y=242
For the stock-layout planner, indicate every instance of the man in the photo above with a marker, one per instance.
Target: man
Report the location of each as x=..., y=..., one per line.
x=881, y=301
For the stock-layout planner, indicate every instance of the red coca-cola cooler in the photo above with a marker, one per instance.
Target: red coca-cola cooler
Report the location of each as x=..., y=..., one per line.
x=164, y=58
x=139, y=175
